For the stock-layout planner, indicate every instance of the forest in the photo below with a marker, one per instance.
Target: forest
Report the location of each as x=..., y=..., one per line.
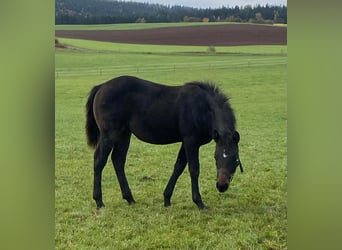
x=110, y=12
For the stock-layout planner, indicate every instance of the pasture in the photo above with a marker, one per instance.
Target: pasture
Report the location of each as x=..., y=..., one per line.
x=137, y=26
x=252, y=214
x=131, y=26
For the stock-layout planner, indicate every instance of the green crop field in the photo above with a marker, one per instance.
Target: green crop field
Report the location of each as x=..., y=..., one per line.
x=130, y=26
x=252, y=214
x=135, y=26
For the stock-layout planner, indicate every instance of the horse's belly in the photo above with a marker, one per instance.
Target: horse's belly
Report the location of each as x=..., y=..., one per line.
x=156, y=134
x=153, y=139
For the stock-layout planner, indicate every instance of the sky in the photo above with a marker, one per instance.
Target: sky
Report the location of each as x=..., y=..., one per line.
x=214, y=3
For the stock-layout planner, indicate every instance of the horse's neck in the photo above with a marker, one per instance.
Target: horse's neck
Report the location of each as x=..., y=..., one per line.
x=218, y=121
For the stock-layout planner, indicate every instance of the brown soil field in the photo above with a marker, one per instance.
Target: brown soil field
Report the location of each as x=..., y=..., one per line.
x=213, y=35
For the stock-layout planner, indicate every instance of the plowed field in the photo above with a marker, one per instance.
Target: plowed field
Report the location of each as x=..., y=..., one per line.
x=212, y=35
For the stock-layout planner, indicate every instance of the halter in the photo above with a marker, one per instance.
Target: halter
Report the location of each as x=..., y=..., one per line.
x=240, y=165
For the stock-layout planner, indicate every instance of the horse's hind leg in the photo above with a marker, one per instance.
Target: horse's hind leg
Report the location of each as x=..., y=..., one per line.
x=100, y=159
x=177, y=171
x=119, y=159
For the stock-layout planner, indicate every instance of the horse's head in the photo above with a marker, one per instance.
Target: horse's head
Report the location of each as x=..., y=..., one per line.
x=227, y=158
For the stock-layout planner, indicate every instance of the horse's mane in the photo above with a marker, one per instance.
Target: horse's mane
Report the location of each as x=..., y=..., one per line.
x=213, y=90
x=221, y=99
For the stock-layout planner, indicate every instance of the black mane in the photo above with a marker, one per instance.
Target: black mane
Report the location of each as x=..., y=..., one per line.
x=213, y=90
x=221, y=99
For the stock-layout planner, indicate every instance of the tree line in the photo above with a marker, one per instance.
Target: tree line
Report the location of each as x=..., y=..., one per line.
x=108, y=12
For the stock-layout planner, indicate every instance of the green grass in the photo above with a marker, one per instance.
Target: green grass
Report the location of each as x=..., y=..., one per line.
x=105, y=47
x=137, y=26
x=252, y=214
x=128, y=26
x=111, y=58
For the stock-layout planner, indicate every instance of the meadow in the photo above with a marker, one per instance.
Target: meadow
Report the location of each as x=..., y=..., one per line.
x=131, y=26
x=135, y=26
x=252, y=214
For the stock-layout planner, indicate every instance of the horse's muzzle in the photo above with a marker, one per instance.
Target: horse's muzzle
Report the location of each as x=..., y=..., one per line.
x=222, y=187
x=223, y=182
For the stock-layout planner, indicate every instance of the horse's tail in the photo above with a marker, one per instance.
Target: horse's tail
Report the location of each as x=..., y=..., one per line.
x=91, y=127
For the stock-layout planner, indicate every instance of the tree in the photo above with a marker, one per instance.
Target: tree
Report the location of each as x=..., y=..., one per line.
x=140, y=20
x=259, y=18
x=103, y=11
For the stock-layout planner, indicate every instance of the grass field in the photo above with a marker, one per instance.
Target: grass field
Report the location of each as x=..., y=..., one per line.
x=135, y=26
x=252, y=214
x=130, y=26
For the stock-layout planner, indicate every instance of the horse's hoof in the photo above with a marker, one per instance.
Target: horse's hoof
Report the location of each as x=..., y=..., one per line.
x=204, y=208
x=201, y=206
x=99, y=207
x=131, y=202
x=99, y=204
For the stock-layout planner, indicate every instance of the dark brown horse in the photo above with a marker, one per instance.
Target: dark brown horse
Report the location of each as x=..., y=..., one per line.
x=193, y=114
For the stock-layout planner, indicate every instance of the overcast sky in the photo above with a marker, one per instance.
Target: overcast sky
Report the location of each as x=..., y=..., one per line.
x=214, y=3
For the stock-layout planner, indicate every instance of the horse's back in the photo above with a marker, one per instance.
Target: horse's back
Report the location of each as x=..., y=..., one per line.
x=147, y=109
x=133, y=86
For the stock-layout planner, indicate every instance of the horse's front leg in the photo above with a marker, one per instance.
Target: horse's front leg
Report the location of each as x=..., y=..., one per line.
x=192, y=153
x=177, y=171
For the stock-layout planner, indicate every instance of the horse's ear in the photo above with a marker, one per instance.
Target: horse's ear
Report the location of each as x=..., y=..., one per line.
x=215, y=135
x=236, y=136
